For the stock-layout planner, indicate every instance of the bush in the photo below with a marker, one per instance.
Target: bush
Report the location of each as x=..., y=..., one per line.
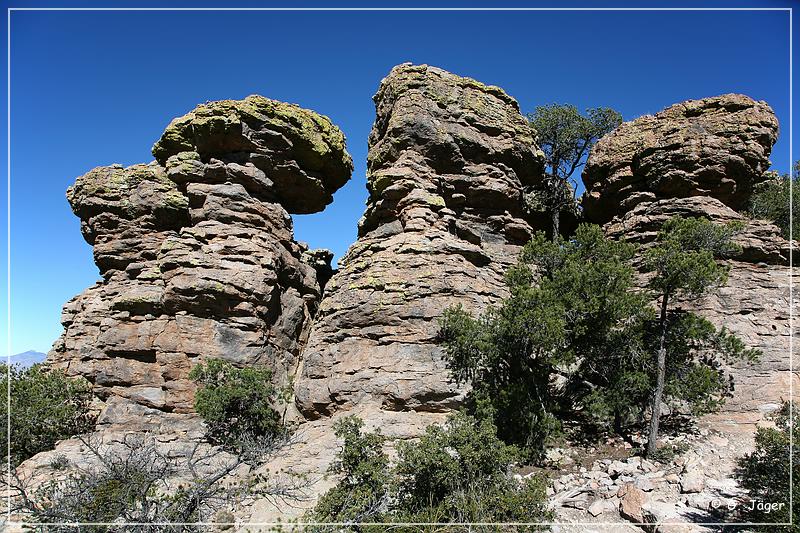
x=576, y=338
x=770, y=201
x=765, y=475
x=456, y=474
x=135, y=481
x=235, y=403
x=363, y=468
x=46, y=406
x=572, y=305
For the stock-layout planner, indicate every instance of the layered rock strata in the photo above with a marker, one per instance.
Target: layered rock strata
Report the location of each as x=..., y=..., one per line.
x=701, y=158
x=448, y=159
x=197, y=254
x=716, y=147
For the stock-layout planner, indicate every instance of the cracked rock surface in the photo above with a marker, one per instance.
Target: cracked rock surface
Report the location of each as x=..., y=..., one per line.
x=197, y=254
x=448, y=158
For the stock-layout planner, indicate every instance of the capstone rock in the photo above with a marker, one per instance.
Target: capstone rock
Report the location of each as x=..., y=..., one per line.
x=198, y=256
x=717, y=147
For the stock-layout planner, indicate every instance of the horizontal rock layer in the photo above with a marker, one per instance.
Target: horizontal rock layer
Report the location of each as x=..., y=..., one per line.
x=198, y=257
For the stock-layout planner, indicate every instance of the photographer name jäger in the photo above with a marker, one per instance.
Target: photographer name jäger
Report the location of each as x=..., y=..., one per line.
x=752, y=505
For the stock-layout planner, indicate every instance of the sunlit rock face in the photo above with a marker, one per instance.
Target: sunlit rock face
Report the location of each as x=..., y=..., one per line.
x=448, y=160
x=717, y=147
x=701, y=158
x=197, y=254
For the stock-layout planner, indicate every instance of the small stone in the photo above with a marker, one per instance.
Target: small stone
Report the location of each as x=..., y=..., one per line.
x=631, y=501
x=599, y=507
x=692, y=481
x=644, y=484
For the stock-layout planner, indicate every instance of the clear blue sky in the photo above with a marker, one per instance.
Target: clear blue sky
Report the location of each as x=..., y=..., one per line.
x=95, y=88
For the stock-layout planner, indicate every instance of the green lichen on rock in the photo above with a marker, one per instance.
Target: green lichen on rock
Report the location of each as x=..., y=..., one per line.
x=130, y=192
x=302, y=152
x=218, y=127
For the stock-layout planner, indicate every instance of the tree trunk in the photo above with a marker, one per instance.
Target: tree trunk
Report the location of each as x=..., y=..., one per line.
x=661, y=363
x=556, y=214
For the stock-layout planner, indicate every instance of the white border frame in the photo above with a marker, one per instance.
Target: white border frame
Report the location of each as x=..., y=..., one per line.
x=302, y=525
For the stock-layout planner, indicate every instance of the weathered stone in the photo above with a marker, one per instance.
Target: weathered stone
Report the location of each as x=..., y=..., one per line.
x=631, y=501
x=277, y=151
x=198, y=259
x=692, y=481
x=599, y=507
x=716, y=147
x=447, y=162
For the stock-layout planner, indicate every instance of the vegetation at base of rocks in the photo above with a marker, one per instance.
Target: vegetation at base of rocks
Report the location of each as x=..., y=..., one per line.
x=565, y=136
x=773, y=198
x=237, y=404
x=46, y=406
x=136, y=480
x=666, y=454
x=457, y=473
x=577, y=339
x=764, y=473
x=363, y=491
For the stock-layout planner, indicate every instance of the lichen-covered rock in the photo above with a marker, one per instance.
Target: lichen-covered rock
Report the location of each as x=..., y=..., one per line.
x=447, y=162
x=716, y=147
x=198, y=257
x=279, y=152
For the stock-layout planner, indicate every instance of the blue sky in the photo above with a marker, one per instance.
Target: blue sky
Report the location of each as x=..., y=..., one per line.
x=92, y=88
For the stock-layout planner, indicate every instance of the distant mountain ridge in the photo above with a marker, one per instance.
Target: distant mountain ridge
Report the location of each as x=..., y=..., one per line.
x=27, y=359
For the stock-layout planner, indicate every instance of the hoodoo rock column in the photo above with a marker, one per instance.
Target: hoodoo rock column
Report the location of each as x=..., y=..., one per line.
x=703, y=158
x=448, y=160
x=197, y=254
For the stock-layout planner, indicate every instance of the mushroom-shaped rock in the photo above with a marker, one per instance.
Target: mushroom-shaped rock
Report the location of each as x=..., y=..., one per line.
x=278, y=151
x=716, y=147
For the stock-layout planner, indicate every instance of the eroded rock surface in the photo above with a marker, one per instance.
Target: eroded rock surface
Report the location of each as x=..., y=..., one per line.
x=447, y=161
x=197, y=254
x=716, y=147
x=701, y=159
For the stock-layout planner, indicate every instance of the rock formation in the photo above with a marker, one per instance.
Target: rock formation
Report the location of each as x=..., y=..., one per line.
x=716, y=147
x=197, y=254
x=448, y=157
x=702, y=158
x=198, y=260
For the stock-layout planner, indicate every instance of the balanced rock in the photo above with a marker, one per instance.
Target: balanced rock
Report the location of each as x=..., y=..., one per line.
x=197, y=254
x=279, y=152
x=448, y=159
x=717, y=147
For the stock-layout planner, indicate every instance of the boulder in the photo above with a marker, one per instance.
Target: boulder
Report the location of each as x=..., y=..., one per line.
x=717, y=147
x=631, y=501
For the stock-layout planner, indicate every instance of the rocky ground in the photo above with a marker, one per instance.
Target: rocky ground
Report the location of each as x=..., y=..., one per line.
x=609, y=488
